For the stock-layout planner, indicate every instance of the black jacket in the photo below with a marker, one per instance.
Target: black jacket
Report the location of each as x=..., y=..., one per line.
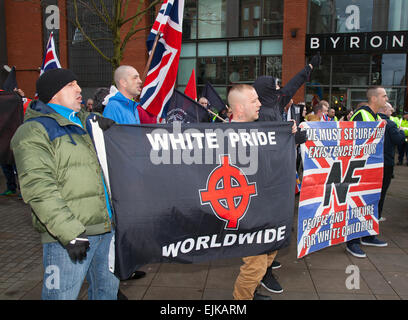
x=393, y=137
x=274, y=101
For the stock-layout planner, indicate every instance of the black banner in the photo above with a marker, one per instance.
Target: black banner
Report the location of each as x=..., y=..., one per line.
x=197, y=192
x=184, y=109
x=11, y=116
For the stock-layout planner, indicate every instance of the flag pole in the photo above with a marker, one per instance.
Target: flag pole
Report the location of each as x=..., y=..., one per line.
x=149, y=61
x=214, y=114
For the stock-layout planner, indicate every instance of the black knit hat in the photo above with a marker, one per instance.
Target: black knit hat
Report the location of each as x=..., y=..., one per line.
x=52, y=81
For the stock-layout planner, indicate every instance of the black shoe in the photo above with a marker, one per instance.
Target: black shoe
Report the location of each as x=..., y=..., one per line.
x=258, y=296
x=137, y=275
x=121, y=296
x=276, y=265
x=270, y=283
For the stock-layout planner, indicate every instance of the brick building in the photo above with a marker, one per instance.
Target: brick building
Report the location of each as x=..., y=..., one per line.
x=362, y=42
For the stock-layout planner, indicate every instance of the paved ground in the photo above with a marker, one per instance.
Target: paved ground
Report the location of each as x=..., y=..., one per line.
x=321, y=275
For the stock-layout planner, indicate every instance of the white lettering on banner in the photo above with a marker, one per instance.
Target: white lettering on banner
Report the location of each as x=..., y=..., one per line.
x=194, y=147
x=203, y=242
x=353, y=20
x=187, y=141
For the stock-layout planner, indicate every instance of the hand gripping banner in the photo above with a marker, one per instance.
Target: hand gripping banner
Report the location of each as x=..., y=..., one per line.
x=341, y=186
x=191, y=193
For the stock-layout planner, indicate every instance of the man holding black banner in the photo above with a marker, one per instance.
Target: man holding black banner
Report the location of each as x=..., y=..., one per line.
x=243, y=99
x=54, y=156
x=377, y=99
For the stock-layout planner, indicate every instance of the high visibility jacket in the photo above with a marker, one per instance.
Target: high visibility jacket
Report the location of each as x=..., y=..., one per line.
x=404, y=126
x=397, y=121
x=366, y=115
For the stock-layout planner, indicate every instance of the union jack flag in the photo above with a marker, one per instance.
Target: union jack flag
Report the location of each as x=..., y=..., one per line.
x=298, y=184
x=341, y=185
x=161, y=77
x=326, y=118
x=50, y=60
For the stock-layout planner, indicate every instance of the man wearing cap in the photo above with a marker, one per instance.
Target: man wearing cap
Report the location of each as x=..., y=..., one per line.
x=61, y=179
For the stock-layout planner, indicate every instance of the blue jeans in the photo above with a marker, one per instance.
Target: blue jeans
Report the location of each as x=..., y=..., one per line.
x=10, y=174
x=63, y=278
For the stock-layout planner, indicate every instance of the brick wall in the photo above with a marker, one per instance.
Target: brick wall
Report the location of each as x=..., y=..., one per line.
x=24, y=41
x=136, y=53
x=293, y=60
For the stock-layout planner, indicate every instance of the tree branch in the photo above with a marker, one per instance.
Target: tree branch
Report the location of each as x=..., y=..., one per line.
x=141, y=13
x=79, y=26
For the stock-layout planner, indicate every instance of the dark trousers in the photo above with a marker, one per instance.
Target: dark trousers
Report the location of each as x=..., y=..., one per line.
x=388, y=171
x=10, y=174
x=402, y=151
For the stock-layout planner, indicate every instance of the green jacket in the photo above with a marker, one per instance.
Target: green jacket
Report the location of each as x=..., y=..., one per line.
x=60, y=176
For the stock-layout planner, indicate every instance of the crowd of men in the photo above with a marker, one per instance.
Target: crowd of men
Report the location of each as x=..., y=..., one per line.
x=54, y=155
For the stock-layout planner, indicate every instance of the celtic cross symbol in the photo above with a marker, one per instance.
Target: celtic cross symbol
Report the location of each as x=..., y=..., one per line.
x=228, y=193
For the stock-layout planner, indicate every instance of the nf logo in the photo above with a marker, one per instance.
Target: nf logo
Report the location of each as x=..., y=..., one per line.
x=228, y=193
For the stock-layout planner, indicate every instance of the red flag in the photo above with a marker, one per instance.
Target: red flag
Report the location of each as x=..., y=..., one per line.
x=191, y=89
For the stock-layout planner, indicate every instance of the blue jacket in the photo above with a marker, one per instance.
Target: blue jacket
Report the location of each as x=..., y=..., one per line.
x=122, y=110
x=393, y=137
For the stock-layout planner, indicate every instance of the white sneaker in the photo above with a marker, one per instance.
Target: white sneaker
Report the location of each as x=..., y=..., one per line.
x=382, y=219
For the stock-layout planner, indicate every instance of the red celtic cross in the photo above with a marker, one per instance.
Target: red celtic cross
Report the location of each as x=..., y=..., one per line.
x=228, y=193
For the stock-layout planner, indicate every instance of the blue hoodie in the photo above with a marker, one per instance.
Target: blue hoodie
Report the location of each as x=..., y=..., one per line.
x=122, y=110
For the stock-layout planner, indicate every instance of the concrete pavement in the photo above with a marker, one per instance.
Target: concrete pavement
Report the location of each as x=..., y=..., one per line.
x=319, y=276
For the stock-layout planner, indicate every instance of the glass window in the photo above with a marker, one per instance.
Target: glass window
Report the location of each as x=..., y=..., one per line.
x=329, y=16
x=246, y=14
x=251, y=18
x=389, y=70
x=244, y=48
x=272, y=17
x=190, y=20
x=212, y=69
x=343, y=80
x=186, y=66
x=322, y=74
x=188, y=50
x=257, y=12
x=400, y=100
x=398, y=17
x=337, y=16
x=243, y=69
x=91, y=69
x=272, y=66
x=212, y=49
x=212, y=21
x=271, y=47
x=351, y=69
x=266, y=22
